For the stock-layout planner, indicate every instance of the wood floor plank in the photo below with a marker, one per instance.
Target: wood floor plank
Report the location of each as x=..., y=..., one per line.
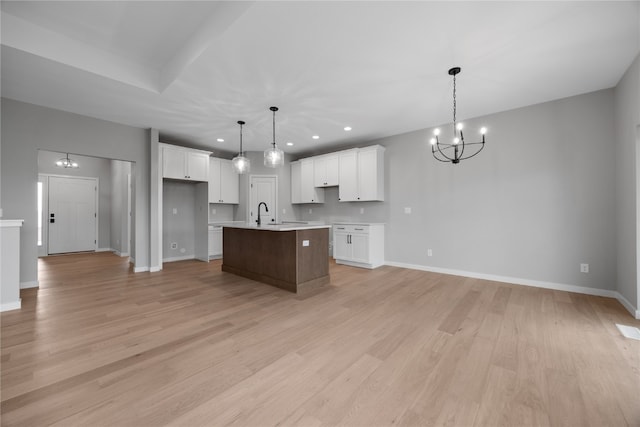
x=99, y=345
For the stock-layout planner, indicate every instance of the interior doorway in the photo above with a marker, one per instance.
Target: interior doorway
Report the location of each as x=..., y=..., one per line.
x=263, y=188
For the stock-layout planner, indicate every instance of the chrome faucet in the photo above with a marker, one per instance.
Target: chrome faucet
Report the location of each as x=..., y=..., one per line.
x=266, y=209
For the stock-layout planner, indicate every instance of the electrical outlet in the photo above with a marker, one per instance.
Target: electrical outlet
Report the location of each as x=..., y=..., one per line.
x=284, y=211
x=407, y=210
x=429, y=252
x=584, y=268
x=175, y=211
x=174, y=245
x=213, y=211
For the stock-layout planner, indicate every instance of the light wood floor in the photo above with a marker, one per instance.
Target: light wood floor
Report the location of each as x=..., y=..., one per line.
x=98, y=345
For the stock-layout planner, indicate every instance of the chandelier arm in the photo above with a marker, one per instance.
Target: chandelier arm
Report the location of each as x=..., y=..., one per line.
x=474, y=154
x=435, y=156
x=442, y=154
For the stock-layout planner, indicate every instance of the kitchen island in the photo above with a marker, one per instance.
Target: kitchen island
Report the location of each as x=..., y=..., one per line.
x=294, y=257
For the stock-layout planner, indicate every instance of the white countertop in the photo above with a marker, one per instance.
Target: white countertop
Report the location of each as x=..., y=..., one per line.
x=276, y=227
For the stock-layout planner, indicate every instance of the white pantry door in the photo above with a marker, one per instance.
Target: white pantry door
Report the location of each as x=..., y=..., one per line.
x=72, y=214
x=263, y=188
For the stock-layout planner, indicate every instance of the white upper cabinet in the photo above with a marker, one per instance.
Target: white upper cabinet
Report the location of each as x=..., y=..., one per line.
x=326, y=170
x=348, y=176
x=308, y=191
x=371, y=173
x=296, y=185
x=184, y=163
x=224, y=182
x=302, y=188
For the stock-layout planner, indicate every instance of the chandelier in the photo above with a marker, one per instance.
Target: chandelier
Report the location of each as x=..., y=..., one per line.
x=273, y=157
x=66, y=163
x=241, y=164
x=455, y=151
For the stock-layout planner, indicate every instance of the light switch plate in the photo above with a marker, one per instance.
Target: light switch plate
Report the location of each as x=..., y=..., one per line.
x=407, y=210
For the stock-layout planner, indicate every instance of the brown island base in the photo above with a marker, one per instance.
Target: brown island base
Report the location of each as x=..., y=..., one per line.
x=291, y=257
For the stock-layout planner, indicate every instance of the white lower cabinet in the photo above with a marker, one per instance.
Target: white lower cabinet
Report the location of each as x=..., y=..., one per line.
x=215, y=242
x=359, y=245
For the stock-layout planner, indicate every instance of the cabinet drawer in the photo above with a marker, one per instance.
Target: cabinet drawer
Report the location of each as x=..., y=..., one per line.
x=351, y=228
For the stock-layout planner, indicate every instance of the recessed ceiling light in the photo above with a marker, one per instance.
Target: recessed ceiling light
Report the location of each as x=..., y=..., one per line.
x=289, y=144
x=315, y=137
x=220, y=140
x=347, y=128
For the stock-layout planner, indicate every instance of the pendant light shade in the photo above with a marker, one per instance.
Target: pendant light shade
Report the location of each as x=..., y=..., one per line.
x=240, y=163
x=67, y=163
x=273, y=157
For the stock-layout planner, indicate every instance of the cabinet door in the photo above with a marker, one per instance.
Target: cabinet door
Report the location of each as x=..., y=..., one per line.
x=320, y=171
x=341, y=246
x=332, y=168
x=229, y=183
x=214, y=180
x=211, y=242
x=348, y=176
x=296, y=186
x=308, y=192
x=368, y=178
x=197, y=166
x=173, y=163
x=360, y=247
x=216, y=240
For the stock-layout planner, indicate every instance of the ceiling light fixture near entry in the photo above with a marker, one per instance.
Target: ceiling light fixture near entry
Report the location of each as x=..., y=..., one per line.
x=273, y=157
x=454, y=152
x=67, y=163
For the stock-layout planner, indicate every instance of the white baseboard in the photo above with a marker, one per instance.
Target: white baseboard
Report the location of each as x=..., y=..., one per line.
x=178, y=258
x=123, y=254
x=630, y=308
x=16, y=305
x=155, y=269
x=104, y=250
x=526, y=282
x=140, y=269
x=27, y=285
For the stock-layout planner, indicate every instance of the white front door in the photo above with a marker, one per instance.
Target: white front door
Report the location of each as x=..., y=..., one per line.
x=72, y=216
x=264, y=188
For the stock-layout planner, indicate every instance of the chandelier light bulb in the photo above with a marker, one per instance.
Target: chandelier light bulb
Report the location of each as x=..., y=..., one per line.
x=459, y=126
x=433, y=141
x=483, y=130
x=456, y=140
x=436, y=132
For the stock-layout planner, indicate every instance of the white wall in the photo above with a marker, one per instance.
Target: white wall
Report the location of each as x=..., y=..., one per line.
x=627, y=120
x=537, y=202
x=27, y=128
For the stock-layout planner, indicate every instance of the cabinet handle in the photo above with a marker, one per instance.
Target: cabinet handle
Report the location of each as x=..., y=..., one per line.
x=359, y=229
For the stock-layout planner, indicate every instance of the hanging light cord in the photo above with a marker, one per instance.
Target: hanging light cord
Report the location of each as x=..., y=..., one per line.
x=454, y=103
x=274, y=128
x=241, y=152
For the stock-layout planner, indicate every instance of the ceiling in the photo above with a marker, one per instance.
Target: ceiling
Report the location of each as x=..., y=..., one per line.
x=193, y=69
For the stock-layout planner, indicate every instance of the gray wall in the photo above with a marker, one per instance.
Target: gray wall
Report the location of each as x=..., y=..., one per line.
x=537, y=202
x=90, y=167
x=627, y=118
x=27, y=128
x=178, y=227
x=284, y=187
x=119, y=213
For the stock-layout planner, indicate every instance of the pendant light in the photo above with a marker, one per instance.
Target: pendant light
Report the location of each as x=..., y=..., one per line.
x=67, y=163
x=454, y=152
x=273, y=157
x=241, y=164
